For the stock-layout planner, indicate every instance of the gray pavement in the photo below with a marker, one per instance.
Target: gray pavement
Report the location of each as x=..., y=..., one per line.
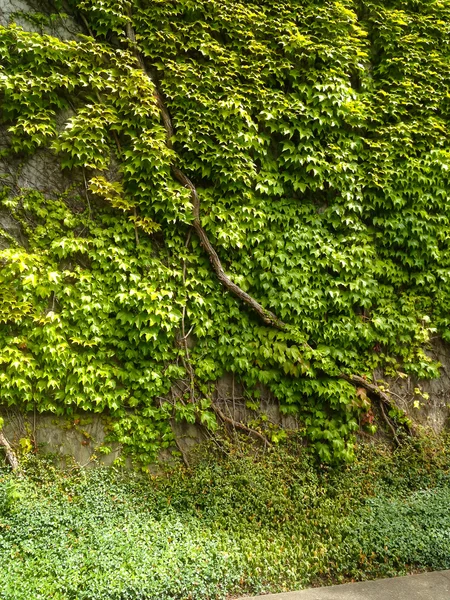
x=426, y=586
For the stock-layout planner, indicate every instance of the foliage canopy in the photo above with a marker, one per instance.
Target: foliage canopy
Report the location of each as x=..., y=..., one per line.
x=316, y=133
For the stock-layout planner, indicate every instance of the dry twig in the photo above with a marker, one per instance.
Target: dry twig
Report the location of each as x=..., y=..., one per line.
x=240, y=425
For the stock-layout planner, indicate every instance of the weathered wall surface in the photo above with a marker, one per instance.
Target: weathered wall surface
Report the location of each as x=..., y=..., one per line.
x=16, y=10
x=432, y=412
x=84, y=435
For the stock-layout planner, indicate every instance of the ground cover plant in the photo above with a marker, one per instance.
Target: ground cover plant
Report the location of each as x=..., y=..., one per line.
x=230, y=525
x=254, y=187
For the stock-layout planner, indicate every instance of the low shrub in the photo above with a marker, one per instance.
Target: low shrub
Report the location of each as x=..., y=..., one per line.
x=228, y=526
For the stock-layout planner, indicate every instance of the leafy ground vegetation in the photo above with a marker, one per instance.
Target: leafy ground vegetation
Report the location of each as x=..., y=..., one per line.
x=229, y=526
x=306, y=141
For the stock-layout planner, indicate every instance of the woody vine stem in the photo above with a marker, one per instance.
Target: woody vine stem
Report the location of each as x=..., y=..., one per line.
x=266, y=316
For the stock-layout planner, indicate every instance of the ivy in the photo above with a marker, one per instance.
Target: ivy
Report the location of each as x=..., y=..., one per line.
x=316, y=133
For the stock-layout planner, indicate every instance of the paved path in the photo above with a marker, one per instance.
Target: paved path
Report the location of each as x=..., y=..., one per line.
x=426, y=586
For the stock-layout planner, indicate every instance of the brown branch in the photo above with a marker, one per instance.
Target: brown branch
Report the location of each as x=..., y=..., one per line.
x=10, y=454
x=383, y=396
x=240, y=425
x=184, y=337
x=268, y=317
x=136, y=234
x=391, y=427
x=356, y=380
x=86, y=193
x=86, y=24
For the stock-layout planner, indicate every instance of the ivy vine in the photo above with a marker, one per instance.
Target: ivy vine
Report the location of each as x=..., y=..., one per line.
x=314, y=136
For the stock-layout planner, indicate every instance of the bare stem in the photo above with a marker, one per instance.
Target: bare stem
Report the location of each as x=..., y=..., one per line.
x=240, y=425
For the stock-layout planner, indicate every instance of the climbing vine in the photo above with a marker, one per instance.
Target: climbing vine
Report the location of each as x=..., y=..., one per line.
x=314, y=135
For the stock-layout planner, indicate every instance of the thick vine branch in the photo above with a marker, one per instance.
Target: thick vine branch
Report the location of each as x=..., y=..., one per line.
x=356, y=380
x=389, y=424
x=383, y=396
x=267, y=316
x=240, y=425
